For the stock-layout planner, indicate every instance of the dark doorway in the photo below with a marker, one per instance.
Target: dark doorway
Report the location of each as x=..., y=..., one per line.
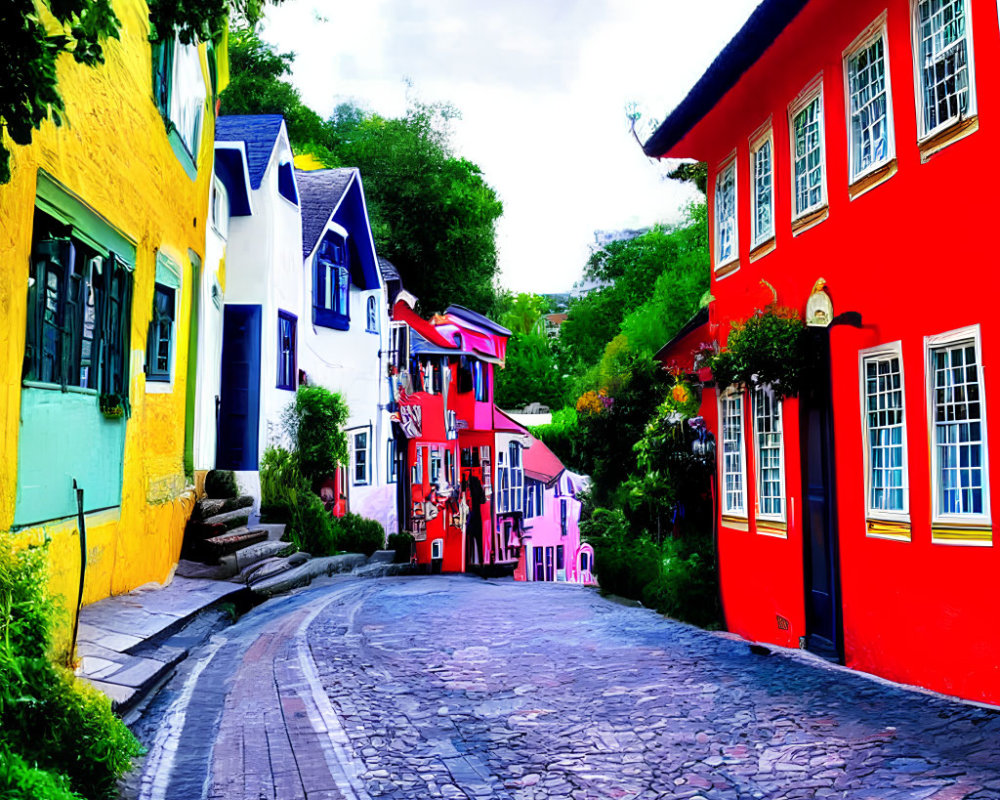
x=239, y=402
x=824, y=628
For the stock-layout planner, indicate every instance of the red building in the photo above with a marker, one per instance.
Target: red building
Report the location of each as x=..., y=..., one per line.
x=846, y=142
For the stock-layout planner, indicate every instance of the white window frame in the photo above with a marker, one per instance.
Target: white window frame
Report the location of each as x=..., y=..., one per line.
x=812, y=91
x=188, y=96
x=729, y=163
x=950, y=338
x=880, y=353
x=732, y=394
x=503, y=483
x=878, y=29
x=220, y=208
x=763, y=136
x=354, y=457
x=779, y=405
x=516, y=476
x=924, y=134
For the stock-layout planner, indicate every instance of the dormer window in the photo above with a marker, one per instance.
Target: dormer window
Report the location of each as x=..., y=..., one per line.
x=331, y=286
x=372, y=315
x=286, y=182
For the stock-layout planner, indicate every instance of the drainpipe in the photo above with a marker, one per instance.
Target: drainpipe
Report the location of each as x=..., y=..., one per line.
x=83, y=563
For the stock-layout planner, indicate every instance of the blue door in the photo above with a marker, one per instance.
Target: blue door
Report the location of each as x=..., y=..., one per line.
x=239, y=401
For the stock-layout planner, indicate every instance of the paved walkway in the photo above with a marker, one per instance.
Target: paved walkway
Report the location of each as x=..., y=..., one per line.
x=457, y=687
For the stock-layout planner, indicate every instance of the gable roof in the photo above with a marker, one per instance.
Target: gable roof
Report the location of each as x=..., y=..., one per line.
x=540, y=463
x=469, y=316
x=258, y=132
x=320, y=192
x=768, y=20
x=388, y=269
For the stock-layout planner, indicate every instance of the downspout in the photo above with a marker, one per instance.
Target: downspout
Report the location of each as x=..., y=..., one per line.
x=81, y=523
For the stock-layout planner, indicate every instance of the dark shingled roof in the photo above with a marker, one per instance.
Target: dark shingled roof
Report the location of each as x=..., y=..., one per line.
x=768, y=20
x=320, y=191
x=388, y=269
x=258, y=132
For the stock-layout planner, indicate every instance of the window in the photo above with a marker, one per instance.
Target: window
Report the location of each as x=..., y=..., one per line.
x=391, y=461
x=399, y=347
x=361, y=458
x=179, y=91
x=960, y=475
x=435, y=466
x=159, y=351
x=733, y=461
x=563, y=518
x=417, y=471
x=331, y=286
x=449, y=468
x=516, y=478
x=762, y=169
x=767, y=419
x=885, y=435
x=534, y=492
x=560, y=557
x=503, y=484
x=479, y=378
x=287, y=366
x=808, y=158
x=220, y=208
x=451, y=424
x=372, y=315
x=79, y=308
x=286, y=182
x=945, y=85
x=538, y=560
x=869, y=134
x=725, y=215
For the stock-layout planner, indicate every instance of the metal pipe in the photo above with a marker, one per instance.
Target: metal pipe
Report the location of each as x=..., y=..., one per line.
x=83, y=564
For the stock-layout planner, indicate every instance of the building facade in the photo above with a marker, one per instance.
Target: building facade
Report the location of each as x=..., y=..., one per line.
x=844, y=143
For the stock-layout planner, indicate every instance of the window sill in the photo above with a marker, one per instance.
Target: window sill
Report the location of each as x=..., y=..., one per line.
x=55, y=387
x=761, y=250
x=810, y=219
x=872, y=179
x=886, y=529
x=727, y=269
x=957, y=130
x=327, y=318
x=158, y=386
x=956, y=533
x=285, y=388
x=735, y=523
x=772, y=527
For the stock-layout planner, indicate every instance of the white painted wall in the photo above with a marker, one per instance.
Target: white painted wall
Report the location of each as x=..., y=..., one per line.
x=208, y=381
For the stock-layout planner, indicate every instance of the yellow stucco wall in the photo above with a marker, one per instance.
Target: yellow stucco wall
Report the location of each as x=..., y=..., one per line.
x=113, y=153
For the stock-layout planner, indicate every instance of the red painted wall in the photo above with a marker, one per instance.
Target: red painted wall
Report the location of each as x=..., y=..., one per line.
x=914, y=257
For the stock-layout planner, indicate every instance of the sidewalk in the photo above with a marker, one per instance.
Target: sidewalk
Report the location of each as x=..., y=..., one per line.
x=114, y=631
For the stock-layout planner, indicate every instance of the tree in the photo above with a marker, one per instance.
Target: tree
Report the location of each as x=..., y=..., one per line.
x=531, y=374
x=523, y=313
x=29, y=88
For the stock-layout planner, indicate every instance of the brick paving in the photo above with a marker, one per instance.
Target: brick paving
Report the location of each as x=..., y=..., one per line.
x=459, y=688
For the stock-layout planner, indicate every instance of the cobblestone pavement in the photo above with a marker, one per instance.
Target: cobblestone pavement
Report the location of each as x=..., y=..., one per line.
x=459, y=688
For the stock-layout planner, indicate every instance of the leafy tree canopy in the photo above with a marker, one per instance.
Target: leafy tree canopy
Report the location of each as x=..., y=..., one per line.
x=432, y=213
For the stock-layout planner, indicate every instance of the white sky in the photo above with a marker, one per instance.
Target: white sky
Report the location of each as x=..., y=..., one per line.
x=542, y=86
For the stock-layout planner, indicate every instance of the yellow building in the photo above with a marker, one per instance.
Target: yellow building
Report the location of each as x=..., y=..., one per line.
x=102, y=241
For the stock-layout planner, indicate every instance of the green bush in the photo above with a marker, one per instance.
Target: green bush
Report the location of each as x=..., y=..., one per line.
x=313, y=422
x=49, y=721
x=221, y=484
x=280, y=482
x=356, y=534
x=310, y=526
x=402, y=543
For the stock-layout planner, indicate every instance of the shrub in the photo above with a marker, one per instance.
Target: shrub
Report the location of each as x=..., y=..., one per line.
x=280, y=481
x=313, y=422
x=310, y=526
x=221, y=484
x=356, y=534
x=49, y=721
x=402, y=543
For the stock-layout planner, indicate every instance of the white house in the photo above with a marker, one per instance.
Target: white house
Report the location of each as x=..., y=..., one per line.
x=344, y=332
x=263, y=298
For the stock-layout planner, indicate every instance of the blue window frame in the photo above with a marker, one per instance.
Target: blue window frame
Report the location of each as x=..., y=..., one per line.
x=391, y=461
x=479, y=381
x=372, y=315
x=287, y=362
x=286, y=183
x=562, y=518
x=331, y=286
x=361, y=458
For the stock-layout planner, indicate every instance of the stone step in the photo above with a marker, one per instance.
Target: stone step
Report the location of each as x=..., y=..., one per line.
x=229, y=519
x=381, y=569
x=227, y=544
x=210, y=507
x=270, y=567
x=255, y=553
x=382, y=557
x=304, y=574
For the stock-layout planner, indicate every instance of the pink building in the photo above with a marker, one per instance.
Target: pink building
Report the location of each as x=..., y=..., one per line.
x=551, y=547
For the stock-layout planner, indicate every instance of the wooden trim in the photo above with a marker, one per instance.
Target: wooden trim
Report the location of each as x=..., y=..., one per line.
x=762, y=249
x=726, y=269
x=884, y=529
x=736, y=523
x=957, y=130
x=812, y=218
x=956, y=534
x=872, y=179
x=772, y=527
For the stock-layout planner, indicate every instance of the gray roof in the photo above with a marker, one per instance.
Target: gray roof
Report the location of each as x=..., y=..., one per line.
x=320, y=191
x=258, y=133
x=388, y=269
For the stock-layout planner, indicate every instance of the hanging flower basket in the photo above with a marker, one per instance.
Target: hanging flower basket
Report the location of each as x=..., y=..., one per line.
x=771, y=348
x=113, y=406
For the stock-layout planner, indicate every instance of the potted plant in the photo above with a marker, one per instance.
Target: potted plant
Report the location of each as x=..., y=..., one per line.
x=113, y=406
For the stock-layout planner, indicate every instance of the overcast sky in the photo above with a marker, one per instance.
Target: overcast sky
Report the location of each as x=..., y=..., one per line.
x=542, y=86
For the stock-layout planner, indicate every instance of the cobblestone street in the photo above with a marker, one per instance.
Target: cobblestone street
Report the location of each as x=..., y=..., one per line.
x=457, y=687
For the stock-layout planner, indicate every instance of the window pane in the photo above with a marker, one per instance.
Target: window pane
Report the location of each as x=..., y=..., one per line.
x=885, y=434
x=763, y=199
x=958, y=430
x=767, y=415
x=808, y=158
x=869, y=107
x=725, y=215
x=732, y=455
x=944, y=69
